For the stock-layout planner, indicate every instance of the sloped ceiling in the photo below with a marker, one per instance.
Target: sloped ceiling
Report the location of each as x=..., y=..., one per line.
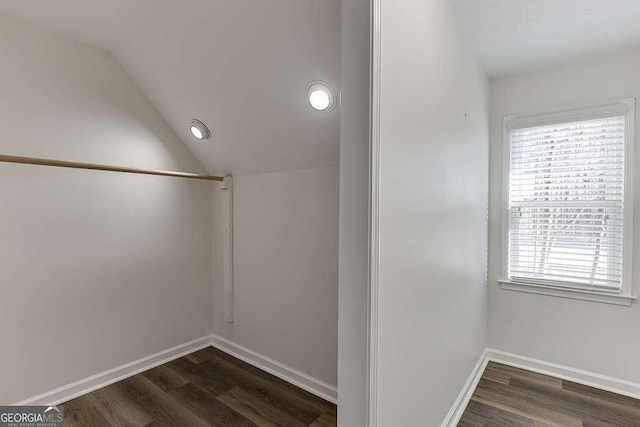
x=516, y=36
x=240, y=66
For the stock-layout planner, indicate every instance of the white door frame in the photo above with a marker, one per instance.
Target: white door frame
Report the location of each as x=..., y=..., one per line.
x=374, y=206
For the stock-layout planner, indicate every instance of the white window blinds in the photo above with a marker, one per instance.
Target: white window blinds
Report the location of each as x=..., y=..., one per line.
x=566, y=204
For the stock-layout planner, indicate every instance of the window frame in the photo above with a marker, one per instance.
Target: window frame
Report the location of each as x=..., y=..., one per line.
x=623, y=107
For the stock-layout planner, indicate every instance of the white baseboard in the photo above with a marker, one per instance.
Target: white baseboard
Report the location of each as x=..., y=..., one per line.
x=103, y=379
x=602, y=382
x=291, y=375
x=456, y=411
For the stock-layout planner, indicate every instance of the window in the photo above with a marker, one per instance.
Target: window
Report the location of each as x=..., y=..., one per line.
x=569, y=200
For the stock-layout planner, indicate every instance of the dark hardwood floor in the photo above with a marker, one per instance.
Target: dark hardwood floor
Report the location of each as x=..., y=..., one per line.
x=206, y=388
x=508, y=396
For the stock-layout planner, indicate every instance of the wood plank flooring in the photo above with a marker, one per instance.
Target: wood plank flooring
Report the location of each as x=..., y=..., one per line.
x=206, y=388
x=508, y=396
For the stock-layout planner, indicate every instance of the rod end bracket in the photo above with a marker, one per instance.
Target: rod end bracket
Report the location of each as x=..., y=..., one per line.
x=226, y=183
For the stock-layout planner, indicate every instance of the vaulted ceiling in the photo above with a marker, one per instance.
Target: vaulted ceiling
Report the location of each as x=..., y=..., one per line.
x=516, y=36
x=240, y=66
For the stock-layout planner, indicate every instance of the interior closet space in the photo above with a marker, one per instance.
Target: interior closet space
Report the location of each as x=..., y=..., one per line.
x=170, y=209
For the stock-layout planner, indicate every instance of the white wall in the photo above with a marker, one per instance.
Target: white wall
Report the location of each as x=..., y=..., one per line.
x=96, y=269
x=433, y=213
x=593, y=336
x=353, y=307
x=285, y=268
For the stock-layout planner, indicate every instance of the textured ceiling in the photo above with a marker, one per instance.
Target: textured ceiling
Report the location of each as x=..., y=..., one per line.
x=240, y=66
x=516, y=36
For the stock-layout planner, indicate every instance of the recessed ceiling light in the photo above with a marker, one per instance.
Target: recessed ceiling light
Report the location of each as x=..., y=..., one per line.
x=321, y=97
x=199, y=130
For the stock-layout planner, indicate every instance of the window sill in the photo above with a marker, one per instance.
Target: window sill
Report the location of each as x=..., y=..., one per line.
x=580, y=294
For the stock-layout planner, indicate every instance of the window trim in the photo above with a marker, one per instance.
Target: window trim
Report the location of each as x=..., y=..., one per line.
x=624, y=107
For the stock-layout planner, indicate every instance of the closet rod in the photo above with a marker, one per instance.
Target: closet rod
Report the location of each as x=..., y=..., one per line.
x=77, y=165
